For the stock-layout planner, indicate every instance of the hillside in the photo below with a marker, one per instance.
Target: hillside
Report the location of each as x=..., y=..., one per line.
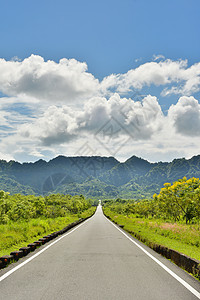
x=94, y=176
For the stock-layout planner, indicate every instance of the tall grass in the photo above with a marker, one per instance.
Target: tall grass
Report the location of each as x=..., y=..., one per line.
x=15, y=235
x=180, y=237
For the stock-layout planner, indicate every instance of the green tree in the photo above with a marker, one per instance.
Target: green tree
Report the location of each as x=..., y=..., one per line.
x=179, y=200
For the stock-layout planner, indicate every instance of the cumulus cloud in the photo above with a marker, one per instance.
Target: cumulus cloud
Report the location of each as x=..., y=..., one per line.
x=185, y=116
x=61, y=124
x=138, y=128
x=55, y=126
x=40, y=111
x=185, y=80
x=137, y=119
x=67, y=80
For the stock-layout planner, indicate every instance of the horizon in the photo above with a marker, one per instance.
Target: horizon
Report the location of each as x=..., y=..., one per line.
x=87, y=156
x=100, y=79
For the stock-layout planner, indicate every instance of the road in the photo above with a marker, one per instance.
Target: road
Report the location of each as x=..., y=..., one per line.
x=95, y=261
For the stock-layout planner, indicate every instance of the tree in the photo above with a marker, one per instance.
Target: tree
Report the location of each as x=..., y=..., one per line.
x=180, y=199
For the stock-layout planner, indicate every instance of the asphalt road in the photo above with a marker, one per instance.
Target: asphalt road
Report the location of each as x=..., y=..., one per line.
x=95, y=261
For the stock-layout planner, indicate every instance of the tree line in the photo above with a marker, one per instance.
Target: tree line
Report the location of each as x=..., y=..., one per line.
x=20, y=207
x=178, y=201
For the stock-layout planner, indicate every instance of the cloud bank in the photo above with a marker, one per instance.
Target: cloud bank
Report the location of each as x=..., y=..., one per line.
x=50, y=108
x=69, y=80
x=59, y=125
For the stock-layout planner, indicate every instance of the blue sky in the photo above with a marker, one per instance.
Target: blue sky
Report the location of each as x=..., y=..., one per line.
x=151, y=48
x=109, y=35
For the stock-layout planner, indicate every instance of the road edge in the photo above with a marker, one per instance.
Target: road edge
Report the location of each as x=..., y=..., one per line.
x=183, y=261
x=14, y=256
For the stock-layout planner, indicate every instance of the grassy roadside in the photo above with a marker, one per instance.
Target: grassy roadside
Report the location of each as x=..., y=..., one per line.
x=15, y=235
x=180, y=237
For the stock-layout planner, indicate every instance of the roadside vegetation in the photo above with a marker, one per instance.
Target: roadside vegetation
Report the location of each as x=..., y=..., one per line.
x=24, y=219
x=170, y=219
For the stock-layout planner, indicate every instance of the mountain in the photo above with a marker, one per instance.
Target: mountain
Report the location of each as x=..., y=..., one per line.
x=122, y=173
x=45, y=177
x=94, y=176
x=10, y=185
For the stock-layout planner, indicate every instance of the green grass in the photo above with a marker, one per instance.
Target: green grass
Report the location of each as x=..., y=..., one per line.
x=15, y=235
x=180, y=237
x=88, y=212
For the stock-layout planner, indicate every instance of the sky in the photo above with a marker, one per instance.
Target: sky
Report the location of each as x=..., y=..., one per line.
x=108, y=78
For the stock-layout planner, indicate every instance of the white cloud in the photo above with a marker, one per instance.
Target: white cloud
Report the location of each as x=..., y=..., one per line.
x=36, y=153
x=185, y=80
x=15, y=58
x=189, y=81
x=59, y=125
x=55, y=126
x=145, y=131
x=6, y=157
x=67, y=80
x=157, y=57
x=137, y=127
x=3, y=118
x=185, y=116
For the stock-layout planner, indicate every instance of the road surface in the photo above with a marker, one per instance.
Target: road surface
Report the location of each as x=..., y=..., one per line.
x=96, y=261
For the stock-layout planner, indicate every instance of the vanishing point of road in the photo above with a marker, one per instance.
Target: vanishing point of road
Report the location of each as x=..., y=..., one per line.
x=96, y=260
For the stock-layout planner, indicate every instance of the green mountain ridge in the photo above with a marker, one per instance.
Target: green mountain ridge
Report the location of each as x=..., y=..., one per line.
x=94, y=176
